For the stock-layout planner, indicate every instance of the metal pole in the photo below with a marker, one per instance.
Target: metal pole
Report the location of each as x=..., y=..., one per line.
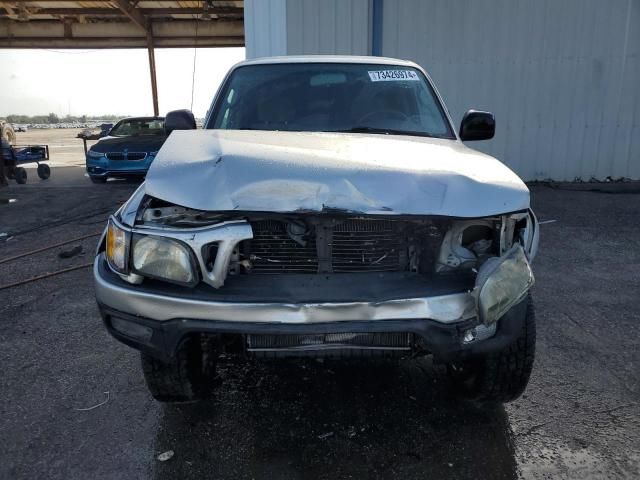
x=152, y=69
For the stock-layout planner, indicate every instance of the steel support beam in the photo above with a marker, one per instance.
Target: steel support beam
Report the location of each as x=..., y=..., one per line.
x=120, y=42
x=152, y=71
x=117, y=12
x=162, y=30
x=134, y=15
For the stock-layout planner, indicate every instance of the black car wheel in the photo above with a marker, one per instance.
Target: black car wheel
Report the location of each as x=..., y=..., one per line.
x=20, y=175
x=44, y=171
x=501, y=376
x=188, y=377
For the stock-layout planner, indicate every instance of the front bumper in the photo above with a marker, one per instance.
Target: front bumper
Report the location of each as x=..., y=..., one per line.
x=438, y=321
x=103, y=167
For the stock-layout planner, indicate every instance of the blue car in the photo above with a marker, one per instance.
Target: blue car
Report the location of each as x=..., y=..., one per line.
x=127, y=150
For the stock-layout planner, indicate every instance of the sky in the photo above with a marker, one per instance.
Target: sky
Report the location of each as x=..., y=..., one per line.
x=94, y=82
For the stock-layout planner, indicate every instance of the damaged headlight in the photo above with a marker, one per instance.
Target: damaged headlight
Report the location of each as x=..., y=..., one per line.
x=501, y=283
x=164, y=259
x=136, y=255
x=117, y=244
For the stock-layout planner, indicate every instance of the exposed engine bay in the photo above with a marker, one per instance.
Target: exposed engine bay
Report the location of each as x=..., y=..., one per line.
x=341, y=243
x=331, y=266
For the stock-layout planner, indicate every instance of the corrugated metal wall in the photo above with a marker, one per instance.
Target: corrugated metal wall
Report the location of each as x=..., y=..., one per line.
x=265, y=28
x=328, y=26
x=561, y=76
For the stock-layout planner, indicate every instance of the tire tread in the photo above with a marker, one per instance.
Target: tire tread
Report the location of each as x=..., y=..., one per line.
x=502, y=376
x=185, y=379
x=506, y=373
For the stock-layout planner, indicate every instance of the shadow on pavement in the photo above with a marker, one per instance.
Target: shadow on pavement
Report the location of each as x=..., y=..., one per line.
x=334, y=420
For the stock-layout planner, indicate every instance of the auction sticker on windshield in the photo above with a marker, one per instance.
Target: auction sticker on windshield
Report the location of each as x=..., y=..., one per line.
x=392, y=75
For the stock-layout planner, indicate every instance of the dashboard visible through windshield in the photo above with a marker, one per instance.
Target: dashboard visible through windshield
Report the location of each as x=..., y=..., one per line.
x=330, y=97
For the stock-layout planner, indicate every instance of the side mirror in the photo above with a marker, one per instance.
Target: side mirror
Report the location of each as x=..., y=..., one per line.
x=477, y=125
x=179, y=120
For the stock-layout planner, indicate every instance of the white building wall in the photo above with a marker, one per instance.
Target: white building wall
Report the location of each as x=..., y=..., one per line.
x=265, y=28
x=561, y=77
x=339, y=27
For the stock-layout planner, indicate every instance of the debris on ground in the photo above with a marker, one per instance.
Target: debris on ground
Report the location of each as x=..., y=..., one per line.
x=95, y=406
x=325, y=435
x=164, y=456
x=77, y=250
x=544, y=222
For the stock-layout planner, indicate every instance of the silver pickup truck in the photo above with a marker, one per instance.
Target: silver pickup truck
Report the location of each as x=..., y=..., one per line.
x=328, y=208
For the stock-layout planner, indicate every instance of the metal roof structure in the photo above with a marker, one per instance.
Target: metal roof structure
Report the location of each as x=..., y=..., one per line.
x=122, y=24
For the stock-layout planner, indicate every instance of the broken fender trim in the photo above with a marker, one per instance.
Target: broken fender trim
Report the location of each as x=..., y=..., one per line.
x=444, y=308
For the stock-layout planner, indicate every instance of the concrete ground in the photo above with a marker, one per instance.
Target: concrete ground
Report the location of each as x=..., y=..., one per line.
x=579, y=418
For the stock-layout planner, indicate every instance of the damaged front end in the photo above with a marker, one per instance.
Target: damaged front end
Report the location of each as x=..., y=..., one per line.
x=332, y=274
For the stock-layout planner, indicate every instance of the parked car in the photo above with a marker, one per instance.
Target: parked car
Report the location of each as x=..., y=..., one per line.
x=128, y=149
x=105, y=128
x=328, y=208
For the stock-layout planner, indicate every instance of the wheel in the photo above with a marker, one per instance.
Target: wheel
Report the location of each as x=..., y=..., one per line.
x=20, y=175
x=98, y=179
x=44, y=171
x=501, y=376
x=188, y=378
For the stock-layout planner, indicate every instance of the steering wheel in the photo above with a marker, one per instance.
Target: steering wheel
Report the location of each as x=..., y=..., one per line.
x=387, y=113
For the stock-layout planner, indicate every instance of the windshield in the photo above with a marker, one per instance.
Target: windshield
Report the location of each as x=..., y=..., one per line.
x=336, y=97
x=138, y=126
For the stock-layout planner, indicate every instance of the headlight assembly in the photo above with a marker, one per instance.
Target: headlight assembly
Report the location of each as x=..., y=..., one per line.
x=117, y=247
x=501, y=283
x=94, y=154
x=164, y=259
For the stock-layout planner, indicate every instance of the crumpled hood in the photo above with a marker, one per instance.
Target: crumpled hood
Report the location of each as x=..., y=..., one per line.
x=223, y=170
x=142, y=143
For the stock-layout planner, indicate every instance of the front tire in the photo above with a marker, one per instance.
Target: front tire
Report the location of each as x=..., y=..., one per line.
x=188, y=377
x=501, y=376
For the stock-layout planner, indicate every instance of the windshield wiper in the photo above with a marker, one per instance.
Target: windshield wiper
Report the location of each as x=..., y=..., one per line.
x=383, y=131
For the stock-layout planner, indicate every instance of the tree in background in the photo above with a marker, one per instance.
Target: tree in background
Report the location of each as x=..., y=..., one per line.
x=52, y=118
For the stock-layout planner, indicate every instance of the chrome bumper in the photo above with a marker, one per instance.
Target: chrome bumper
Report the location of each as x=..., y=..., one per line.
x=445, y=309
